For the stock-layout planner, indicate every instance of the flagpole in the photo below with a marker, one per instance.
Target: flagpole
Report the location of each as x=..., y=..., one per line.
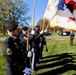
x=33, y=22
x=47, y=26
x=33, y=18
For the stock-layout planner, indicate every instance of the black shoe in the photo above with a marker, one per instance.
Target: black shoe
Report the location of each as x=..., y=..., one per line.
x=46, y=50
x=41, y=58
x=35, y=69
x=38, y=62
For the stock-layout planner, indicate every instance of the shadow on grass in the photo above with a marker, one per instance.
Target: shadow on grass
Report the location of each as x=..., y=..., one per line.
x=73, y=45
x=65, y=60
x=56, y=57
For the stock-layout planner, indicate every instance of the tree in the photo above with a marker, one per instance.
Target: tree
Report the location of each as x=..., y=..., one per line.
x=13, y=13
x=44, y=24
x=20, y=13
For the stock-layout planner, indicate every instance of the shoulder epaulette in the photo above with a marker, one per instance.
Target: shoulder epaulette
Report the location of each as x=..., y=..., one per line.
x=7, y=38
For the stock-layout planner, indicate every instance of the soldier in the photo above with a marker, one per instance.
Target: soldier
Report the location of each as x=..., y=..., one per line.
x=37, y=42
x=71, y=37
x=31, y=44
x=23, y=36
x=13, y=52
x=44, y=40
x=43, y=44
x=39, y=39
x=25, y=42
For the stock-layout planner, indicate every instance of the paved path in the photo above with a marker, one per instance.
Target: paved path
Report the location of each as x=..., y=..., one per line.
x=58, y=36
x=3, y=38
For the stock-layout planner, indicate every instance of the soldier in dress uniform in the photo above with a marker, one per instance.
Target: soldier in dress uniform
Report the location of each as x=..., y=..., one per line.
x=37, y=39
x=42, y=40
x=23, y=37
x=41, y=45
x=38, y=42
x=13, y=52
x=35, y=44
x=25, y=42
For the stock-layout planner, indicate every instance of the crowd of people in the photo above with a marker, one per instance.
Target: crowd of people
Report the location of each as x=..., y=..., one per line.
x=23, y=51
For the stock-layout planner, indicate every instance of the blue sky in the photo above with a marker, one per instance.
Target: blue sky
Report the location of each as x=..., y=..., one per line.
x=40, y=8
x=75, y=0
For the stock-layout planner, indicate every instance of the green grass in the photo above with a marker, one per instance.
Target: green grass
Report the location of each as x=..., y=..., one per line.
x=59, y=60
x=1, y=35
x=54, y=33
x=2, y=61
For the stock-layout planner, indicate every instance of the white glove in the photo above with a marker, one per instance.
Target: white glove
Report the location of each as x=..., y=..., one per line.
x=45, y=30
x=32, y=50
x=27, y=70
x=32, y=32
x=41, y=32
x=29, y=54
x=40, y=44
x=44, y=45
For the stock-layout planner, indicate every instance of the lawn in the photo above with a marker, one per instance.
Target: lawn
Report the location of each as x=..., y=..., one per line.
x=59, y=60
x=2, y=61
x=2, y=35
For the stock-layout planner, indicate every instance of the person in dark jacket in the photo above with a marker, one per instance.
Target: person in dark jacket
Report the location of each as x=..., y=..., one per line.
x=23, y=36
x=71, y=37
x=25, y=43
x=13, y=52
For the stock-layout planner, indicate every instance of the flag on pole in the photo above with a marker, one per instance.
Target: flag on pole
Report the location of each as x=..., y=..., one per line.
x=65, y=17
x=50, y=11
x=74, y=11
x=60, y=15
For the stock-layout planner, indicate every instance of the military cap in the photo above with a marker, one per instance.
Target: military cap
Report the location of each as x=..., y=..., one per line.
x=11, y=27
x=24, y=28
x=37, y=26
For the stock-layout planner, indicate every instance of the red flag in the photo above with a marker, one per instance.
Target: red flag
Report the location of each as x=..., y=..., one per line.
x=72, y=2
x=67, y=1
x=71, y=19
x=74, y=7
